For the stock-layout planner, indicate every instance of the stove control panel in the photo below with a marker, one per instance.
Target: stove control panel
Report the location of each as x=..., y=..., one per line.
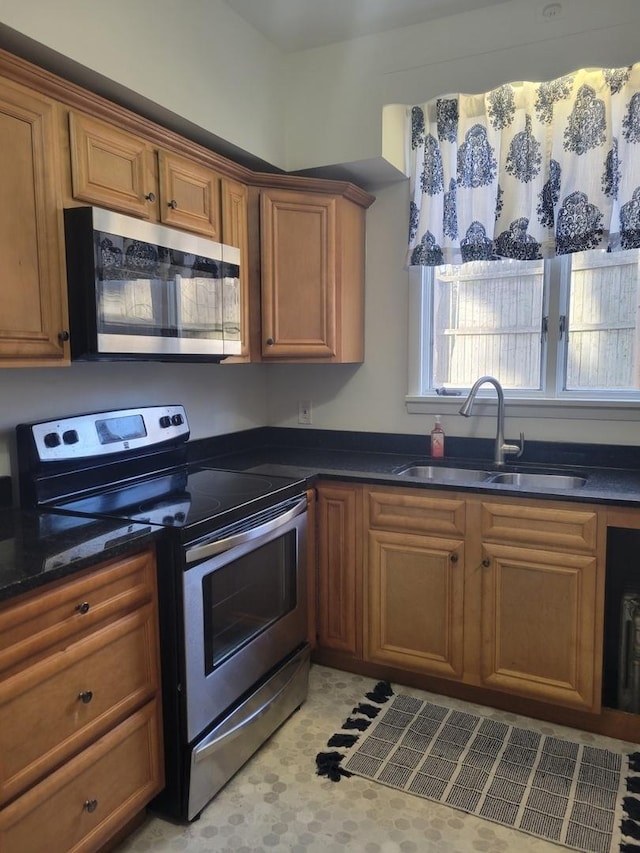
x=101, y=433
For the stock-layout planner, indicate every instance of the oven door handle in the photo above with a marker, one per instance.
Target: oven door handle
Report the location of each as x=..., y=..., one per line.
x=202, y=752
x=211, y=549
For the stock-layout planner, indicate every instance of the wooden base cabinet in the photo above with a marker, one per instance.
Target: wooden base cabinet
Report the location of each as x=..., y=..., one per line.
x=537, y=624
x=80, y=716
x=339, y=616
x=414, y=582
x=540, y=612
x=504, y=594
x=84, y=803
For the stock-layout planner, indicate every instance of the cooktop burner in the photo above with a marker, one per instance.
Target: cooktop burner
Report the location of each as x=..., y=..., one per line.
x=186, y=497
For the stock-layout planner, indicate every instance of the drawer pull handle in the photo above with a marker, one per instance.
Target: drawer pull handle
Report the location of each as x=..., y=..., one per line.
x=90, y=805
x=83, y=607
x=85, y=696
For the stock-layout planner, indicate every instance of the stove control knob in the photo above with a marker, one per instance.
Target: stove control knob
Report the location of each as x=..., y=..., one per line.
x=51, y=439
x=165, y=421
x=168, y=520
x=70, y=436
x=180, y=516
x=176, y=420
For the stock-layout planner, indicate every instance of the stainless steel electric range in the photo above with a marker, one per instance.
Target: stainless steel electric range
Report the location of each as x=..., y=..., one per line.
x=231, y=579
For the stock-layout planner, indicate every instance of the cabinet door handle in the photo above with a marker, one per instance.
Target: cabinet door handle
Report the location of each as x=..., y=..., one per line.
x=172, y=204
x=151, y=197
x=486, y=562
x=90, y=805
x=270, y=342
x=85, y=696
x=63, y=336
x=454, y=558
x=83, y=607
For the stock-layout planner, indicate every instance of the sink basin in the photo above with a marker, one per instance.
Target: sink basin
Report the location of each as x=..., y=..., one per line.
x=438, y=474
x=539, y=481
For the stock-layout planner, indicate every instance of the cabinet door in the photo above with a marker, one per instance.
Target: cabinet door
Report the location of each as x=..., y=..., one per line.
x=538, y=625
x=339, y=553
x=189, y=195
x=298, y=249
x=415, y=590
x=235, y=232
x=111, y=168
x=33, y=311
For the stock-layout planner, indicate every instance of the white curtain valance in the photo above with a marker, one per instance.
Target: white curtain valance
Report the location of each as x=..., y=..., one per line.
x=528, y=170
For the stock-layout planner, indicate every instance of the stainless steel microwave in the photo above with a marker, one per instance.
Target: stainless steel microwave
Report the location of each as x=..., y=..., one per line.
x=141, y=291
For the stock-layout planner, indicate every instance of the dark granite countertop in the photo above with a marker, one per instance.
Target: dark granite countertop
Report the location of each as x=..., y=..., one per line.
x=612, y=474
x=37, y=548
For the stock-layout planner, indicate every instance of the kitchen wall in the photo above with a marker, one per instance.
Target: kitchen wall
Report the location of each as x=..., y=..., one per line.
x=200, y=61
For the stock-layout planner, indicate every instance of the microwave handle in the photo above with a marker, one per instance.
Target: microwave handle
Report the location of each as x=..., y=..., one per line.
x=211, y=549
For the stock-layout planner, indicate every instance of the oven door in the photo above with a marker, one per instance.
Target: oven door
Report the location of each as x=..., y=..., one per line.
x=244, y=609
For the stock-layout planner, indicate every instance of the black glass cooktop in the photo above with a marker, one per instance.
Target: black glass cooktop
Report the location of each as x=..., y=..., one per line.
x=187, y=497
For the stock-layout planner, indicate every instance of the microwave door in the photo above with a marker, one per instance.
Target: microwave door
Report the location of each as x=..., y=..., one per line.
x=129, y=313
x=198, y=306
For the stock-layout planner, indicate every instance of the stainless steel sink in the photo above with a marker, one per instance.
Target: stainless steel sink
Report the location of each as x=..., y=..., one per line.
x=539, y=481
x=438, y=474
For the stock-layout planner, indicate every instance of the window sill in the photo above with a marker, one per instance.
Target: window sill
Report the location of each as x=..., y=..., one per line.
x=576, y=408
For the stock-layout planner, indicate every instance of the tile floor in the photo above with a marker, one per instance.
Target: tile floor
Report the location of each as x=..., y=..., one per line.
x=277, y=803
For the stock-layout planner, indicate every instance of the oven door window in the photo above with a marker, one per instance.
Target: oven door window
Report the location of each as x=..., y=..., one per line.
x=244, y=597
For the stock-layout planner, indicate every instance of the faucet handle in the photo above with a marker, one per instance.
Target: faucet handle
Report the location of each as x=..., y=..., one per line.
x=514, y=449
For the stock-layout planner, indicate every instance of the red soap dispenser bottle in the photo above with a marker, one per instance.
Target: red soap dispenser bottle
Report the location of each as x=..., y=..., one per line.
x=437, y=440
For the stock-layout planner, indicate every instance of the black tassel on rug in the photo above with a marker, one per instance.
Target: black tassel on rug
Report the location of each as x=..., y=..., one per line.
x=381, y=692
x=329, y=763
x=630, y=825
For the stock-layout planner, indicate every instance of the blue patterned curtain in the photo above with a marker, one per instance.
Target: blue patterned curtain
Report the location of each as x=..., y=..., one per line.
x=528, y=170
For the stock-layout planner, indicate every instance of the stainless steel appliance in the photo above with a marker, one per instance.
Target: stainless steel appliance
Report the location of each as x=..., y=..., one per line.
x=629, y=661
x=139, y=290
x=231, y=579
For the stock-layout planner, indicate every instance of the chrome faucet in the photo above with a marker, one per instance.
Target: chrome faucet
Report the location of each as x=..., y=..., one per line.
x=501, y=447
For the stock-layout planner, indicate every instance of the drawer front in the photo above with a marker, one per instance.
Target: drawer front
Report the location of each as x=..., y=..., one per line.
x=48, y=620
x=80, y=806
x=542, y=527
x=53, y=709
x=412, y=512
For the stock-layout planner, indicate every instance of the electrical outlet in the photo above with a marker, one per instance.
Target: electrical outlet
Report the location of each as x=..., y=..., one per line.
x=304, y=411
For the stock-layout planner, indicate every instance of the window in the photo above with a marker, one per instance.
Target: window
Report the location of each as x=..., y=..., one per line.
x=561, y=329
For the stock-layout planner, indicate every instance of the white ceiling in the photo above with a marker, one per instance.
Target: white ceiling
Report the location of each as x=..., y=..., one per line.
x=293, y=25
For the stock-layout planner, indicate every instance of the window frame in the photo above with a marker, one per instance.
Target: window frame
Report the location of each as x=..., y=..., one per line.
x=552, y=400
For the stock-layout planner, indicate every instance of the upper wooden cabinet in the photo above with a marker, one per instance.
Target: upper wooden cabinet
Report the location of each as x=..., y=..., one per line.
x=302, y=239
x=33, y=311
x=115, y=169
x=312, y=275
